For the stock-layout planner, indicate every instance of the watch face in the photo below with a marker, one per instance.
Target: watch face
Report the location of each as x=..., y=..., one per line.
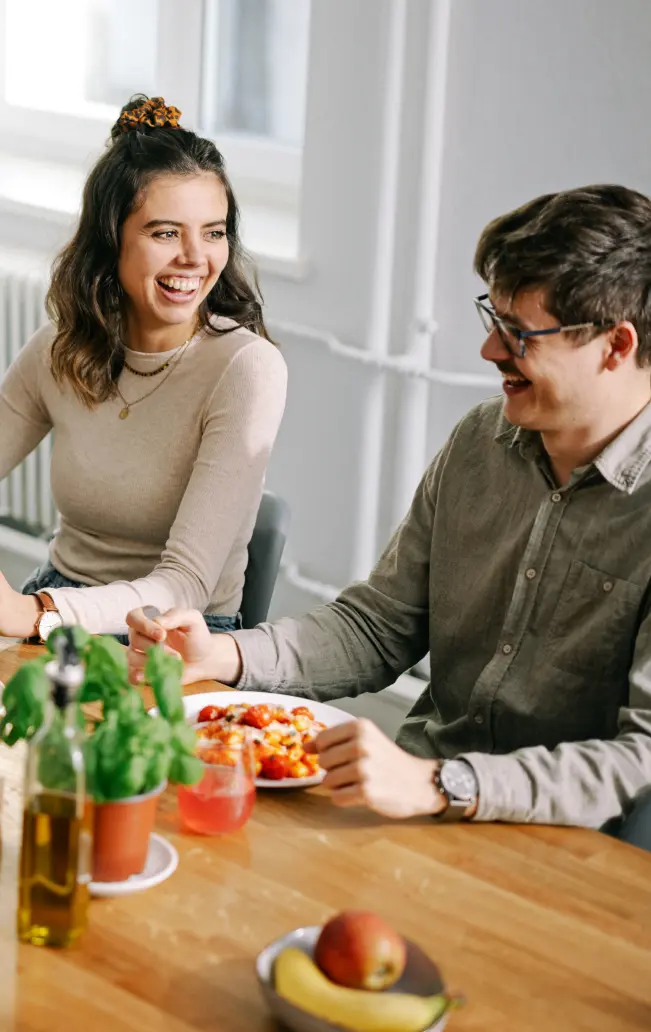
x=459, y=780
x=49, y=622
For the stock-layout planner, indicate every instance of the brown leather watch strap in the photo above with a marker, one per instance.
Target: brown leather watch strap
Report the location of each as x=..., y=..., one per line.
x=47, y=606
x=46, y=602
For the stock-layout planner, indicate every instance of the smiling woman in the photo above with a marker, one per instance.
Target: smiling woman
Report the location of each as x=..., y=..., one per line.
x=161, y=385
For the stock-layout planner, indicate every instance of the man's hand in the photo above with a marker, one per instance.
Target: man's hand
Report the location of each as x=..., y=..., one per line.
x=183, y=633
x=365, y=768
x=18, y=613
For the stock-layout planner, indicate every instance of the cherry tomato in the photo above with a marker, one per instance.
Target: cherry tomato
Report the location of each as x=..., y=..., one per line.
x=258, y=716
x=303, y=711
x=210, y=713
x=276, y=767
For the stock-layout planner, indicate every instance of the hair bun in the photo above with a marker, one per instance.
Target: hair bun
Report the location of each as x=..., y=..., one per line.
x=153, y=112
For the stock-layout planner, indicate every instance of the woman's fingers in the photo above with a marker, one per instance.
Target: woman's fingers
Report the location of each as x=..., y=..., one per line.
x=142, y=626
x=137, y=661
x=140, y=642
x=181, y=620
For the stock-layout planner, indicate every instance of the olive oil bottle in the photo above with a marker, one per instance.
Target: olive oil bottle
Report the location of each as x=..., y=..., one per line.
x=55, y=859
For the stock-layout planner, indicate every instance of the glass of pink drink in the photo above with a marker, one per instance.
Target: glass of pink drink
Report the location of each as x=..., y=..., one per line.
x=223, y=800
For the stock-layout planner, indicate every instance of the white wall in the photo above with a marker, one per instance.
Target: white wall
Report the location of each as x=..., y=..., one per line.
x=541, y=96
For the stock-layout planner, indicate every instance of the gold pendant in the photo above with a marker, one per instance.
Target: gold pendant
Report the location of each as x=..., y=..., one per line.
x=125, y=412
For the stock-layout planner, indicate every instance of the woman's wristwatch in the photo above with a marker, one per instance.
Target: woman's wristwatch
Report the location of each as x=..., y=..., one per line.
x=50, y=617
x=457, y=782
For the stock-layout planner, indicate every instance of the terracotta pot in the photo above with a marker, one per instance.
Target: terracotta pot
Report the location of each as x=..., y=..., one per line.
x=121, y=835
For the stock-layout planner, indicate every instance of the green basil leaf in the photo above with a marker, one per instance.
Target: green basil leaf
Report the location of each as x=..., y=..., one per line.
x=130, y=708
x=163, y=673
x=107, y=675
x=90, y=691
x=24, y=699
x=55, y=762
x=184, y=737
x=157, y=768
x=80, y=638
x=185, y=770
x=155, y=733
x=129, y=777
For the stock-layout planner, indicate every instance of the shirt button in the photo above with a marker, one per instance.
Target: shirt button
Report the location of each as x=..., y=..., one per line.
x=507, y=649
x=556, y=497
x=478, y=718
x=530, y=574
x=608, y=585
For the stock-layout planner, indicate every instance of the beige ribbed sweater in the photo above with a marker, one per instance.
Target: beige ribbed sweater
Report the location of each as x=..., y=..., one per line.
x=156, y=509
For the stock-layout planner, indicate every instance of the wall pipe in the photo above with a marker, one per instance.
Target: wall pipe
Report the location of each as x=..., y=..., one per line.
x=406, y=365
x=379, y=325
x=411, y=454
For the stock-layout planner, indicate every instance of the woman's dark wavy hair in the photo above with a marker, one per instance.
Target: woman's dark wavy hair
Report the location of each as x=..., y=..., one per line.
x=85, y=299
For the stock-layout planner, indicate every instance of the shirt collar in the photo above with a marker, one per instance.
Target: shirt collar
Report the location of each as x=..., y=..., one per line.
x=527, y=442
x=621, y=463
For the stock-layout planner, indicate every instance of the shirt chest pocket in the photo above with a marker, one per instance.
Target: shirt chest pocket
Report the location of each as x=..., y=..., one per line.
x=594, y=626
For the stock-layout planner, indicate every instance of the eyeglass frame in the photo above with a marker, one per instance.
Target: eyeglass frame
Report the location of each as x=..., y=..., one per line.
x=521, y=336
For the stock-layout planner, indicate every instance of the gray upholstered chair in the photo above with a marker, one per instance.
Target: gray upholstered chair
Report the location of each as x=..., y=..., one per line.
x=265, y=552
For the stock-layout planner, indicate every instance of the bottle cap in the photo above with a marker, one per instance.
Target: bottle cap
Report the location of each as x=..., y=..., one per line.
x=66, y=672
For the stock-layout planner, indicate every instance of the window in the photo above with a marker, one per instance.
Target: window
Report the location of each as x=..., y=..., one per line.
x=256, y=53
x=85, y=56
x=236, y=68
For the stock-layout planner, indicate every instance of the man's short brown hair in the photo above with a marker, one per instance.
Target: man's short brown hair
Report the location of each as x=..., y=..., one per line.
x=589, y=250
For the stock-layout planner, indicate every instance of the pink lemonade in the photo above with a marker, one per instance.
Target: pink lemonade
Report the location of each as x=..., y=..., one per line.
x=214, y=806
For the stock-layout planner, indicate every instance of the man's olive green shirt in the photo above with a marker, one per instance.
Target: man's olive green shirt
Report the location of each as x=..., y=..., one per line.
x=533, y=602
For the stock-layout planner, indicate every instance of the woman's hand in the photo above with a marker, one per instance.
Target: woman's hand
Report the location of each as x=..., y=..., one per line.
x=18, y=613
x=183, y=633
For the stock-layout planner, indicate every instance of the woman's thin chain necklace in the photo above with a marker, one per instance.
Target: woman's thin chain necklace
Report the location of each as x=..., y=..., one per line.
x=173, y=362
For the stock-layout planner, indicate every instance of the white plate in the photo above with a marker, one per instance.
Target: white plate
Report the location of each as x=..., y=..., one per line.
x=162, y=861
x=328, y=715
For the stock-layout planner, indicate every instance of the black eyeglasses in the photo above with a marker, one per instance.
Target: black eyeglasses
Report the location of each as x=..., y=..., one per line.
x=515, y=339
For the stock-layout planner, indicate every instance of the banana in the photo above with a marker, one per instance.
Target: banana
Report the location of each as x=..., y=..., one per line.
x=299, y=980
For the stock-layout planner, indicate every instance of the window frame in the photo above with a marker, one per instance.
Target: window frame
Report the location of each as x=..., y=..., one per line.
x=260, y=167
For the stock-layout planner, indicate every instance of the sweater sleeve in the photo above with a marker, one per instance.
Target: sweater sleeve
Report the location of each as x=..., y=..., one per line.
x=367, y=637
x=240, y=426
x=24, y=419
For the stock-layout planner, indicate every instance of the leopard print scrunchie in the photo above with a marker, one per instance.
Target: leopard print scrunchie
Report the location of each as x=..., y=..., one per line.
x=154, y=112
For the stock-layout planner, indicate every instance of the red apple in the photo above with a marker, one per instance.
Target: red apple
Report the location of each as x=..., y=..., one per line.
x=360, y=950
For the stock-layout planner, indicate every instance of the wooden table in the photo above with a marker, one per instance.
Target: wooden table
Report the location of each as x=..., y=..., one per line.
x=542, y=928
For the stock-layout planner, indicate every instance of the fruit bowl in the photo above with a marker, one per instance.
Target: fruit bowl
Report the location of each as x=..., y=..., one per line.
x=421, y=977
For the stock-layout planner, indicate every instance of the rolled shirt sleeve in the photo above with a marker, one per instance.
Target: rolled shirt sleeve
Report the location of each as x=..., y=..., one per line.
x=577, y=783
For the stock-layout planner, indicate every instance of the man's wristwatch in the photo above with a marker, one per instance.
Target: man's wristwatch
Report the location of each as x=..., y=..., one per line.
x=457, y=782
x=49, y=619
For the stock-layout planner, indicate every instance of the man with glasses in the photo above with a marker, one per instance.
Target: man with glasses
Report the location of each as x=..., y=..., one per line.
x=523, y=564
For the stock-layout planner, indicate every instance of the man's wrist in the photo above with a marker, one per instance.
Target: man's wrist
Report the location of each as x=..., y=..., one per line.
x=225, y=661
x=430, y=800
x=471, y=810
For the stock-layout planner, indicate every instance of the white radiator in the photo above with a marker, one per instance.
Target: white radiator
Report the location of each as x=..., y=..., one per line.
x=25, y=494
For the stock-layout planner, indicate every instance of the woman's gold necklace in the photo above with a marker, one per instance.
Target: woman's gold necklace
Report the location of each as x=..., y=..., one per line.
x=172, y=363
x=161, y=369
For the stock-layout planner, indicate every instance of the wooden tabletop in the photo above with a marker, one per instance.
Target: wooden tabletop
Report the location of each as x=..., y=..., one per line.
x=541, y=928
